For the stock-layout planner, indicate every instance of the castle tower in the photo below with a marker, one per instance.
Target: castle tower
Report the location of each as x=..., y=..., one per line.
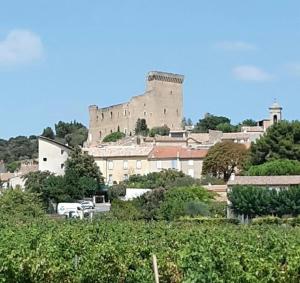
x=161, y=104
x=275, y=113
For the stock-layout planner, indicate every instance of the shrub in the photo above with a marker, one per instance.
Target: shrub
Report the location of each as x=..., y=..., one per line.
x=261, y=201
x=113, y=137
x=116, y=191
x=218, y=209
x=124, y=210
x=266, y=220
x=276, y=167
x=208, y=220
x=162, y=131
x=177, y=199
x=195, y=208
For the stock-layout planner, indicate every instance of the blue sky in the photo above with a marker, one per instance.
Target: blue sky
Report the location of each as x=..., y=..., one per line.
x=58, y=57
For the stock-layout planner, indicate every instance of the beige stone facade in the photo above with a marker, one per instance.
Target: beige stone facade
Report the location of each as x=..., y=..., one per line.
x=117, y=163
x=161, y=104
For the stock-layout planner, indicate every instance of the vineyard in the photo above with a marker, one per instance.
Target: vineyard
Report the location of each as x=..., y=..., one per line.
x=120, y=251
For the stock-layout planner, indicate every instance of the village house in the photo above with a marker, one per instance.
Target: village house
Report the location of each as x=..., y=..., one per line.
x=184, y=159
x=52, y=155
x=117, y=163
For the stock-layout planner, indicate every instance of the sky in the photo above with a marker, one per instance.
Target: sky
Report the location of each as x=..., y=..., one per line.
x=57, y=57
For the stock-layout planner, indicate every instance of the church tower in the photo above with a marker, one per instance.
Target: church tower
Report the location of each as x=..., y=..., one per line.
x=275, y=113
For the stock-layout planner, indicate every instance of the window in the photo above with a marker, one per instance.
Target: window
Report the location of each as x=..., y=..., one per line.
x=165, y=111
x=191, y=162
x=125, y=177
x=110, y=179
x=191, y=172
x=174, y=164
x=45, y=159
x=62, y=166
x=111, y=115
x=62, y=152
x=145, y=113
x=138, y=164
x=110, y=165
x=102, y=116
x=125, y=112
x=158, y=164
x=100, y=134
x=125, y=164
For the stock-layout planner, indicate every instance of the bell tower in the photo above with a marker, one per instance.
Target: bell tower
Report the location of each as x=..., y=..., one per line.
x=275, y=113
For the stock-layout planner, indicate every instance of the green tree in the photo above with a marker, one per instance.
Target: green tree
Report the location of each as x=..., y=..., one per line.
x=261, y=201
x=113, y=137
x=276, y=167
x=249, y=122
x=185, y=201
x=162, y=131
x=226, y=128
x=141, y=127
x=48, y=133
x=282, y=141
x=210, y=122
x=224, y=158
x=73, y=133
x=81, y=170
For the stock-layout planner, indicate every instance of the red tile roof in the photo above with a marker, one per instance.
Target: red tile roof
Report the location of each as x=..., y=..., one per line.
x=167, y=152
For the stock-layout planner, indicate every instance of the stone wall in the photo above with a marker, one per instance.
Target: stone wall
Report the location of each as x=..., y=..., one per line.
x=161, y=104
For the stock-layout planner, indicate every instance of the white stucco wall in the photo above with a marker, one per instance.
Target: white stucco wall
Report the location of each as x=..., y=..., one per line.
x=52, y=156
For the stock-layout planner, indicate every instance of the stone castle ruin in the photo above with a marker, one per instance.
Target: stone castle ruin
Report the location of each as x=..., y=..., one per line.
x=161, y=104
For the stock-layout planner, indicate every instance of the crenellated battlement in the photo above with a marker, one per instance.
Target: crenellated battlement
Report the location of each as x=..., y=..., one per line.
x=165, y=77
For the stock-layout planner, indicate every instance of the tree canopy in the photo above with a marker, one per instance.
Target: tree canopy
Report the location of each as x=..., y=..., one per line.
x=162, y=131
x=82, y=179
x=275, y=168
x=210, y=122
x=141, y=127
x=281, y=141
x=260, y=201
x=113, y=137
x=224, y=158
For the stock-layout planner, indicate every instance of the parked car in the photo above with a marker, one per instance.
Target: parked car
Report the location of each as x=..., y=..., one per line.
x=87, y=204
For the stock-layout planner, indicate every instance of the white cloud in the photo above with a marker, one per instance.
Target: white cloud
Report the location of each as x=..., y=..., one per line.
x=236, y=46
x=293, y=68
x=251, y=73
x=20, y=47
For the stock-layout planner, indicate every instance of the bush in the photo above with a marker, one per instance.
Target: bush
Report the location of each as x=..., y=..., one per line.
x=195, y=208
x=177, y=200
x=218, y=209
x=276, y=167
x=113, y=137
x=124, y=210
x=161, y=131
x=266, y=220
x=261, y=201
x=207, y=220
x=14, y=203
x=116, y=191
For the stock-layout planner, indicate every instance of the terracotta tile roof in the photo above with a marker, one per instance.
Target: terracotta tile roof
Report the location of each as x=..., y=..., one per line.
x=167, y=152
x=265, y=180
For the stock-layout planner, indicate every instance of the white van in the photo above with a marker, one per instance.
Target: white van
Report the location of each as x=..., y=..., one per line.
x=70, y=209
